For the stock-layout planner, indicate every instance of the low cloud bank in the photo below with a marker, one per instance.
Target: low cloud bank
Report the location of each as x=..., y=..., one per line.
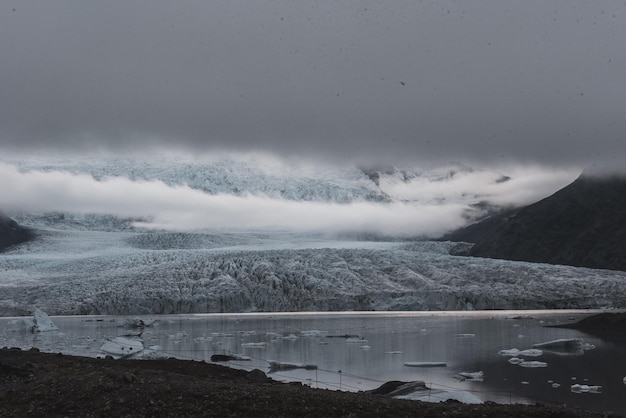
x=184, y=208
x=425, y=206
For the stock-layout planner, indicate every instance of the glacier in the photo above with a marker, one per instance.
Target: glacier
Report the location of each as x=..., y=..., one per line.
x=85, y=271
x=86, y=261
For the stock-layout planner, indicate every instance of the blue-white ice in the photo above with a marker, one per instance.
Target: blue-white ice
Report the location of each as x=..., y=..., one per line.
x=86, y=263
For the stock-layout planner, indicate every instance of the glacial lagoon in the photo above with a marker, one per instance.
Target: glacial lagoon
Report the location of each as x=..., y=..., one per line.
x=357, y=351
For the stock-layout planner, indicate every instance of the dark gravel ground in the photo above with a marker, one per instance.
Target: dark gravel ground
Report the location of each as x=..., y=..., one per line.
x=35, y=384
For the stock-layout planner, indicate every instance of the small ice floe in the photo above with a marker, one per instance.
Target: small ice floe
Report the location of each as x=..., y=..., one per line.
x=282, y=366
x=246, y=333
x=515, y=360
x=288, y=337
x=254, y=345
x=465, y=335
x=356, y=340
x=576, y=388
x=138, y=322
x=418, y=391
x=120, y=347
x=531, y=352
x=222, y=334
x=202, y=339
x=533, y=364
x=365, y=347
x=313, y=333
x=556, y=385
x=473, y=376
x=393, y=352
x=425, y=363
x=624, y=380
x=177, y=336
x=524, y=382
x=40, y=322
x=515, y=352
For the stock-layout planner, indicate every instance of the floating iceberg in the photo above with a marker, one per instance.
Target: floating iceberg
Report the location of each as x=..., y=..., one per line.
x=313, y=333
x=514, y=352
x=254, y=345
x=533, y=364
x=576, y=388
x=40, y=322
x=564, y=346
x=474, y=376
x=531, y=352
x=515, y=360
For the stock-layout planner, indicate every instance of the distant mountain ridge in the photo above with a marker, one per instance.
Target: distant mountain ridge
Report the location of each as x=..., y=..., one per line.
x=582, y=225
x=11, y=233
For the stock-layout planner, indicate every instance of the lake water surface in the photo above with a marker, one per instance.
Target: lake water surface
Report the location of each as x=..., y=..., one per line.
x=464, y=341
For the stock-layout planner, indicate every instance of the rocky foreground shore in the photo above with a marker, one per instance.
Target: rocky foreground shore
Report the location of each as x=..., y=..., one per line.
x=36, y=384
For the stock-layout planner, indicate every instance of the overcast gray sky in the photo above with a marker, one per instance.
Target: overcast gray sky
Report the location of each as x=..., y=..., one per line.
x=533, y=81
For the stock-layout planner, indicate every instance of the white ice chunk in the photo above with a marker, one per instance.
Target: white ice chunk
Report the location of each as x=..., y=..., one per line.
x=533, y=364
x=42, y=322
x=20, y=325
x=514, y=352
x=576, y=388
x=531, y=352
x=475, y=376
x=313, y=333
x=254, y=345
x=515, y=360
x=120, y=347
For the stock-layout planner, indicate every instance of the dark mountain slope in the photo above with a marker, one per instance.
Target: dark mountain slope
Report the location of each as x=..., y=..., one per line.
x=583, y=224
x=11, y=233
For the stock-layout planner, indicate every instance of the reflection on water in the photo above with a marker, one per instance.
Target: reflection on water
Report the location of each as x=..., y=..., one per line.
x=360, y=351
